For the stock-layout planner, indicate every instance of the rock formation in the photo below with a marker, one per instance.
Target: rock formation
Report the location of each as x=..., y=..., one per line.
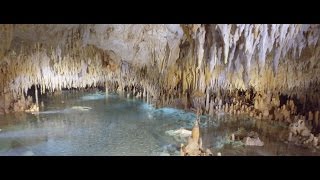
x=194, y=146
x=300, y=134
x=268, y=71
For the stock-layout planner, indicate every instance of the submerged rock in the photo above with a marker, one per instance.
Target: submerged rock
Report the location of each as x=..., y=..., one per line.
x=164, y=154
x=33, y=108
x=241, y=137
x=28, y=153
x=182, y=133
x=81, y=108
x=171, y=148
x=248, y=141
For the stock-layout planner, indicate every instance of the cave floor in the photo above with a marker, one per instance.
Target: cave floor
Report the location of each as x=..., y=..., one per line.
x=93, y=124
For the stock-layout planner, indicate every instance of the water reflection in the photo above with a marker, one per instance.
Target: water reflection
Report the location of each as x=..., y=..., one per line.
x=120, y=126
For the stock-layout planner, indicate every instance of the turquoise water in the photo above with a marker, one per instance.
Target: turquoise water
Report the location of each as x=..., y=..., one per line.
x=112, y=125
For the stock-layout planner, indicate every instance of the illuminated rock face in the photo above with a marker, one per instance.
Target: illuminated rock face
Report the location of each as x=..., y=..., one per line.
x=165, y=62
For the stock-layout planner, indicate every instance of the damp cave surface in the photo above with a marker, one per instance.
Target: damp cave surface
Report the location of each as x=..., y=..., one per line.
x=111, y=125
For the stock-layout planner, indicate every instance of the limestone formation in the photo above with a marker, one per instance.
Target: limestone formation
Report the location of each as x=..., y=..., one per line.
x=194, y=145
x=33, y=108
x=316, y=119
x=310, y=116
x=248, y=141
x=300, y=134
x=267, y=71
x=195, y=135
x=298, y=128
x=175, y=59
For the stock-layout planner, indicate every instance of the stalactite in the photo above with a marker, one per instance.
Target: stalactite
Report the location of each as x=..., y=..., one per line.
x=265, y=57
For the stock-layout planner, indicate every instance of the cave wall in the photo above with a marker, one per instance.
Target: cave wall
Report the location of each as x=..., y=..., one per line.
x=167, y=61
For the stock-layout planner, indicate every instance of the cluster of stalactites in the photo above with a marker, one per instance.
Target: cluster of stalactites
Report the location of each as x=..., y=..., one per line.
x=259, y=40
x=51, y=71
x=266, y=57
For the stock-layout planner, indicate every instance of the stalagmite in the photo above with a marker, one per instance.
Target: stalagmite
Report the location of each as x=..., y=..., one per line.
x=315, y=141
x=232, y=137
x=195, y=132
x=211, y=110
x=220, y=104
x=207, y=103
x=36, y=95
x=147, y=94
x=316, y=119
x=195, y=146
x=106, y=87
x=144, y=93
x=227, y=108
x=290, y=136
x=134, y=91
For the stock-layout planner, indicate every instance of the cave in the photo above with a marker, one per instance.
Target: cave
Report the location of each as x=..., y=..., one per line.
x=159, y=89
